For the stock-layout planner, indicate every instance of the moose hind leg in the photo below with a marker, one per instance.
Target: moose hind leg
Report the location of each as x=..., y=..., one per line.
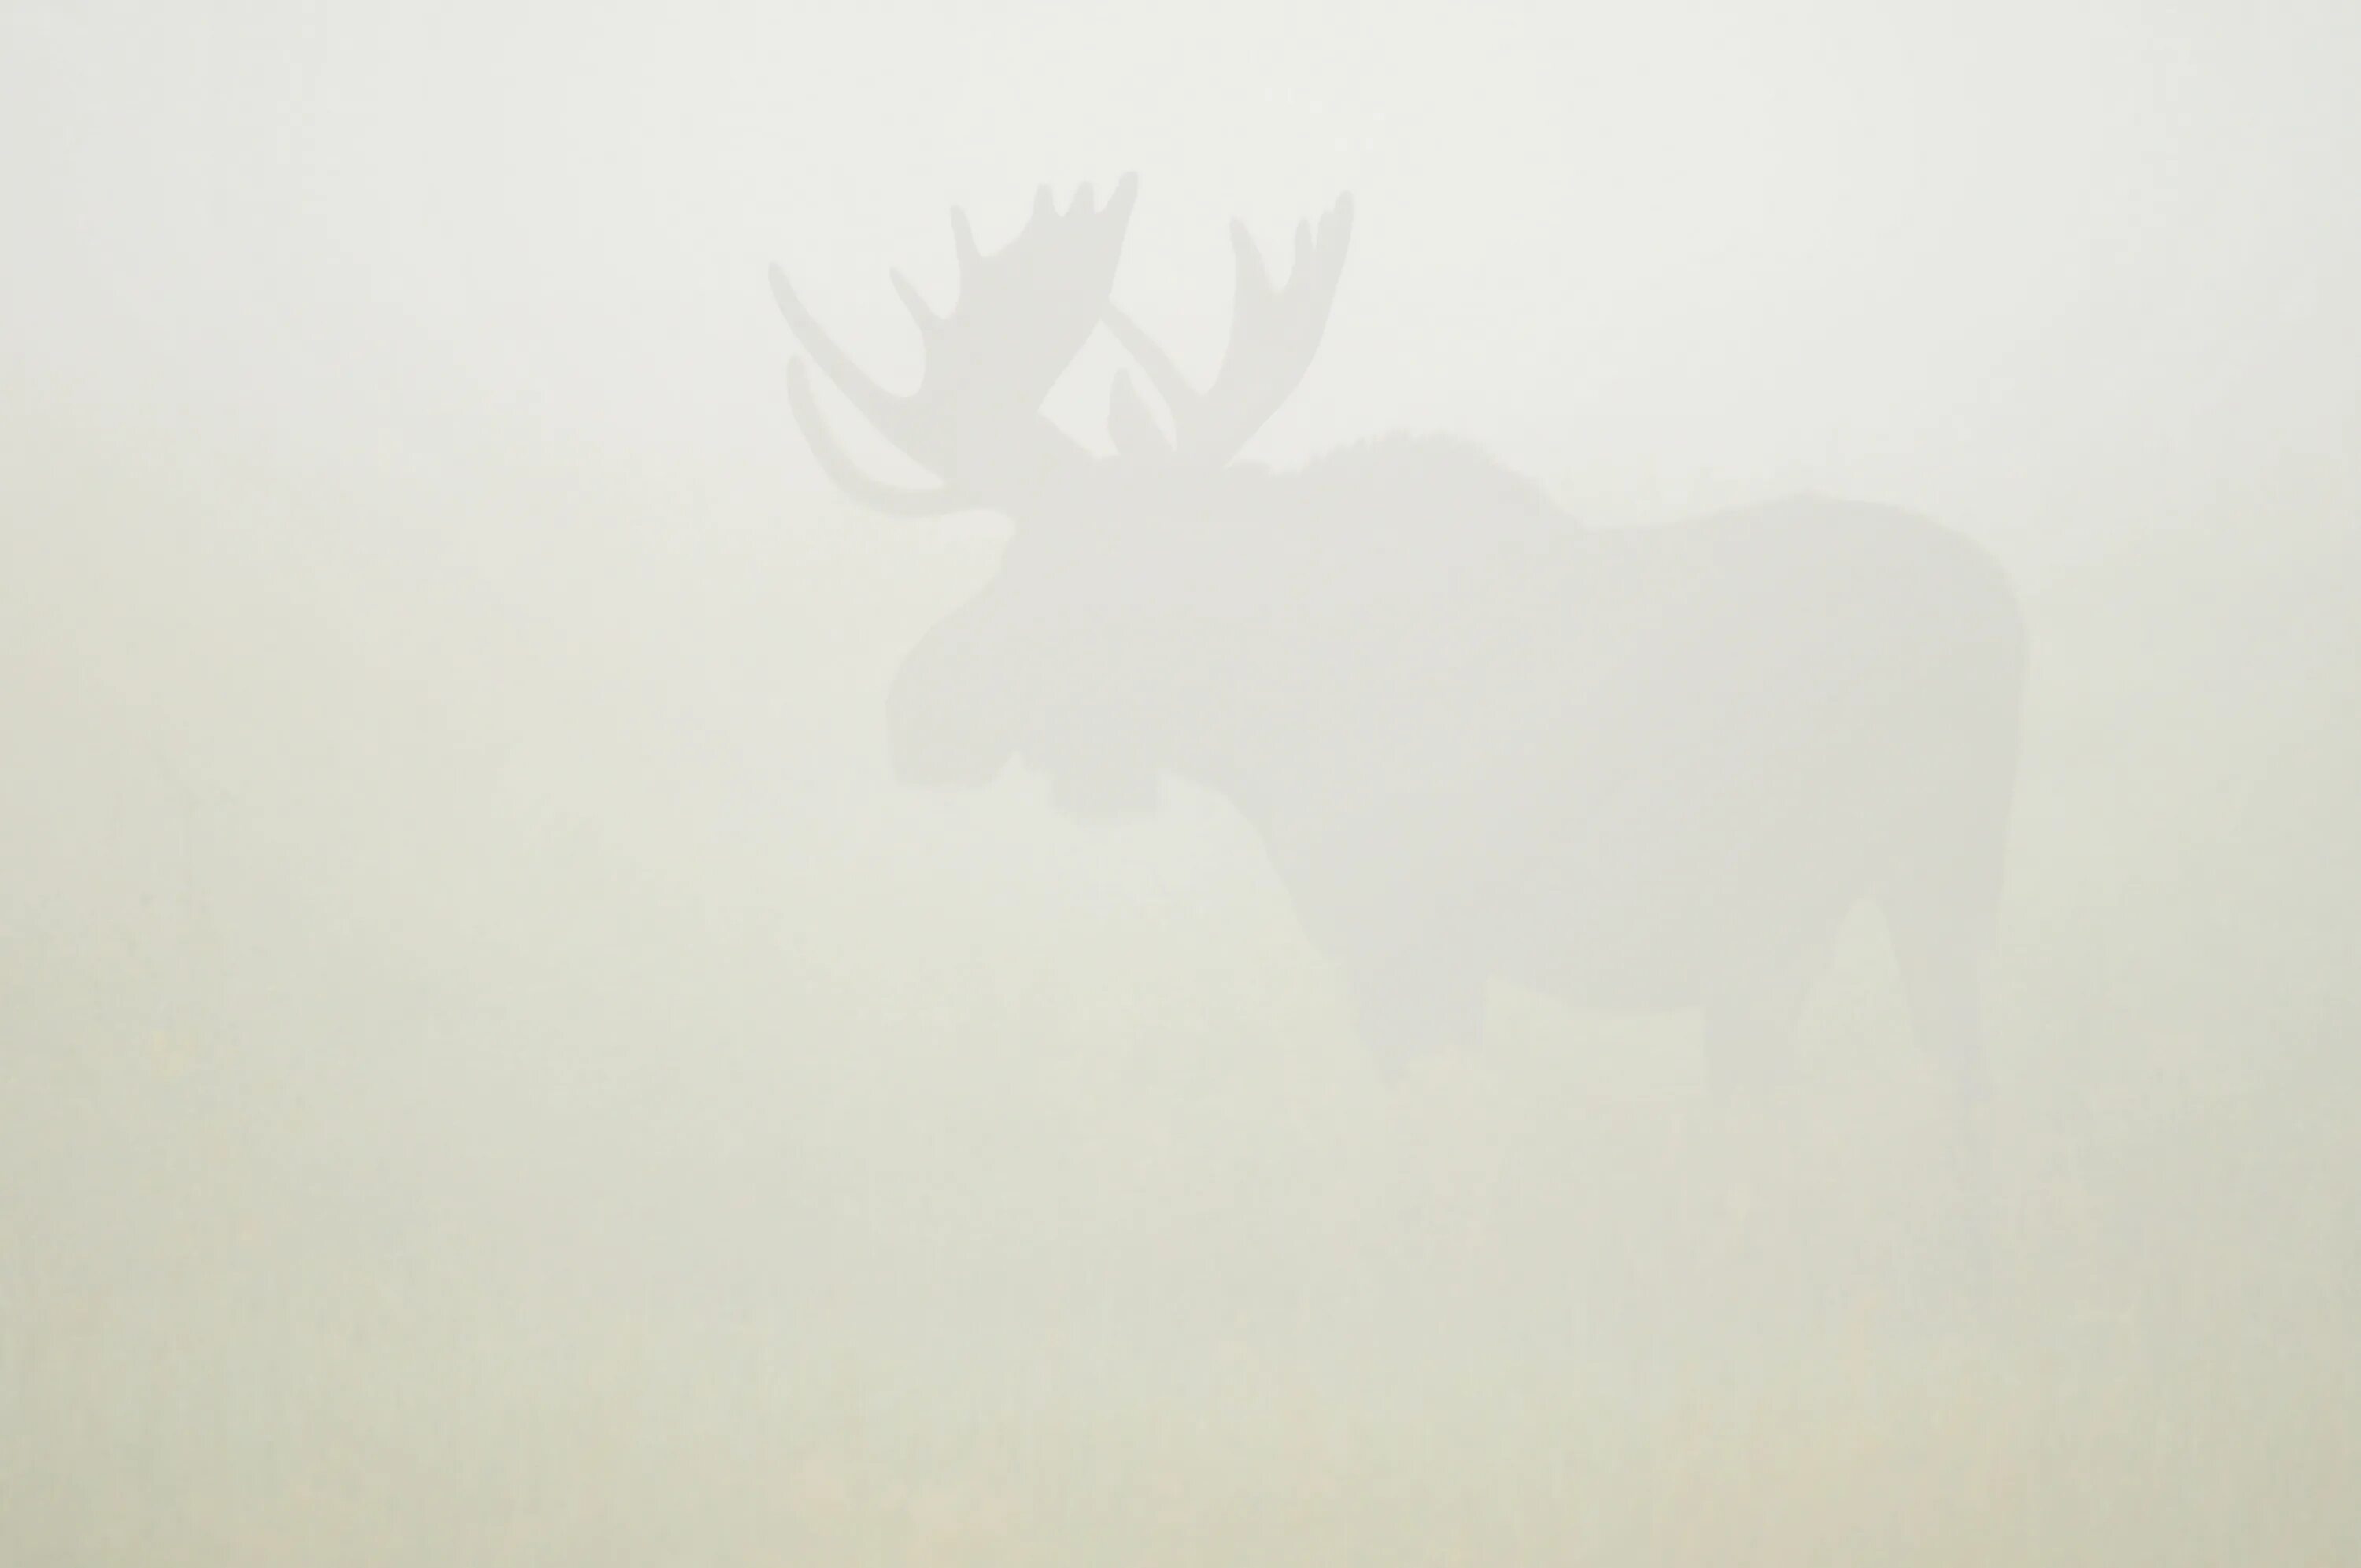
x=1937, y=946
x=1749, y=1122
x=1424, y=1024
x=1938, y=974
x=1749, y=1021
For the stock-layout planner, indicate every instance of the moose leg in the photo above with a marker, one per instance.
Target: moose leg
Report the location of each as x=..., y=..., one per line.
x=1750, y=1027
x=1936, y=952
x=1422, y=1024
x=1750, y=1022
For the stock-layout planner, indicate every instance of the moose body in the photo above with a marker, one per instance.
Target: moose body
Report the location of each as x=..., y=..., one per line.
x=1636, y=768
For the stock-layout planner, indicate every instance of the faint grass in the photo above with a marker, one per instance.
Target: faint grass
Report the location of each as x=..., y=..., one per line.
x=552, y=1434
x=544, y=1188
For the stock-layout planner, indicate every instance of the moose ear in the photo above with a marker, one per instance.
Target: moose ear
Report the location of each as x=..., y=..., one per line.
x=1133, y=429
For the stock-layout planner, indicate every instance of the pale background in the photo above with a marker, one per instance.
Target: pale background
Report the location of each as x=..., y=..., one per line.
x=491, y=1069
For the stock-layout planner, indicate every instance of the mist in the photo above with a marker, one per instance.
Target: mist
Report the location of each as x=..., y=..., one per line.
x=502, y=1056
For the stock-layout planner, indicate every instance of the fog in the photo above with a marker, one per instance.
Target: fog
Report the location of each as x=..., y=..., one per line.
x=567, y=993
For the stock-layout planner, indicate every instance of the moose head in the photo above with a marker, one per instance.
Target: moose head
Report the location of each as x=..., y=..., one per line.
x=1055, y=662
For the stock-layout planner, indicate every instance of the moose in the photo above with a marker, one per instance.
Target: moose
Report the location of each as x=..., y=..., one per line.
x=1634, y=768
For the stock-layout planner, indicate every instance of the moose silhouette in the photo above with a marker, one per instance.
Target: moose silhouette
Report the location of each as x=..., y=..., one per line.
x=1645, y=768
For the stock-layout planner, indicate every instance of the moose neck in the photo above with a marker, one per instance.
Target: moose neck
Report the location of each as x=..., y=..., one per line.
x=1326, y=603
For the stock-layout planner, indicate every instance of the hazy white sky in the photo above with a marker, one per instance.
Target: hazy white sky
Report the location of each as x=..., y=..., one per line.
x=1992, y=256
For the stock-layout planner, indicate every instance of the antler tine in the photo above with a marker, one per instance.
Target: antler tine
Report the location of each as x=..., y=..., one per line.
x=1029, y=307
x=1022, y=315
x=892, y=415
x=1274, y=332
x=1130, y=424
x=1181, y=397
x=928, y=319
x=848, y=476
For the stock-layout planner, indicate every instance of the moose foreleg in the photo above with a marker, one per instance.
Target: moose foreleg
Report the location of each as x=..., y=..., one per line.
x=1424, y=1026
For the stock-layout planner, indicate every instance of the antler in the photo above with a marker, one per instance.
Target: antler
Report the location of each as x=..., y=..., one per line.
x=975, y=420
x=1273, y=336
